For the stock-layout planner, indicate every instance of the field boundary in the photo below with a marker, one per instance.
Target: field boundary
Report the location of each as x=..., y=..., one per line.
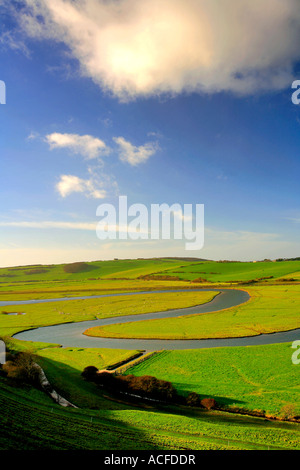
x=120, y=370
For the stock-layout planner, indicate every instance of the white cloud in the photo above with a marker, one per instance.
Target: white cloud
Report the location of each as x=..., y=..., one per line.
x=134, y=47
x=135, y=155
x=69, y=184
x=7, y=40
x=86, y=145
x=33, y=135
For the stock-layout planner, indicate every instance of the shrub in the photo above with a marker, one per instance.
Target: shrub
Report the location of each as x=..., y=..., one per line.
x=149, y=386
x=288, y=411
x=199, y=279
x=22, y=368
x=144, y=386
x=208, y=403
x=89, y=373
x=106, y=379
x=193, y=399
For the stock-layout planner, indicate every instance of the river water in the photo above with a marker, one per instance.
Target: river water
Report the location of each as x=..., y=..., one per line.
x=71, y=334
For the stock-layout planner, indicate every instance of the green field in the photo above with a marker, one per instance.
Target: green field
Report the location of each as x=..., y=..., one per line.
x=234, y=271
x=30, y=421
x=256, y=378
x=244, y=380
x=52, y=313
x=128, y=269
x=125, y=275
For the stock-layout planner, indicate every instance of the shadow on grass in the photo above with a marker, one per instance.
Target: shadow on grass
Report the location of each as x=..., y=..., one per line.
x=34, y=424
x=221, y=401
x=92, y=425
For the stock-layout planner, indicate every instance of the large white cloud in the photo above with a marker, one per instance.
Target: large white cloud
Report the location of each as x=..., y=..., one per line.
x=146, y=47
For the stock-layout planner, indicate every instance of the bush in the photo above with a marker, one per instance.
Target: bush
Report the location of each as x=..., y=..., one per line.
x=288, y=411
x=22, y=367
x=144, y=386
x=105, y=379
x=149, y=386
x=90, y=373
x=193, y=399
x=199, y=279
x=208, y=403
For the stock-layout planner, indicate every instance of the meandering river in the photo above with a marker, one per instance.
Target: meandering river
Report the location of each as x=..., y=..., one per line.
x=71, y=334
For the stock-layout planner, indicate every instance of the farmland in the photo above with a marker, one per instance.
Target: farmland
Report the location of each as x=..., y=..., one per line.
x=253, y=378
x=246, y=382
x=270, y=309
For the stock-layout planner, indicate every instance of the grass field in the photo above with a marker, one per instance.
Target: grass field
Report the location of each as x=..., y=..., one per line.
x=30, y=421
x=234, y=271
x=249, y=379
x=270, y=309
x=125, y=275
x=256, y=378
x=61, y=289
x=51, y=313
x=129, y=269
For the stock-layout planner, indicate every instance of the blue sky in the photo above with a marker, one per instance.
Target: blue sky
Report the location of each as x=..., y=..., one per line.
x=165, y=104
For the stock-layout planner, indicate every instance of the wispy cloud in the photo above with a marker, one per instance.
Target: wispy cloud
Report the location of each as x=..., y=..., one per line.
x=296, y=220
x=33, y=135
x=48, y=224
x=89, y=226
x=86, y=145
x=132, y=154
x=9, y=41
x=135, y=48
x=69, y=184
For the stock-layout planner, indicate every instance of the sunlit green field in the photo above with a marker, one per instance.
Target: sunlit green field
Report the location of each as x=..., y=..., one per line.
x=269, y=309
x=256, y=378
x=51, y=313
x=125, y=275
x=30, y=421
x=129, y=269
x=235, y=271
x=61, y=289
x=249, y=379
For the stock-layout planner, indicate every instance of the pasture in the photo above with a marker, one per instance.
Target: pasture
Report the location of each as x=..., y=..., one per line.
x=270, y=309
x=259, y=379
x=244, y=380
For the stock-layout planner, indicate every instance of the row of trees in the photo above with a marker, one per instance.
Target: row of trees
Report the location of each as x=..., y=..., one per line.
x=145, y=386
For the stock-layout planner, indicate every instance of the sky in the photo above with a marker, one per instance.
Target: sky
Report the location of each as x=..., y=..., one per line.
x=162, y=101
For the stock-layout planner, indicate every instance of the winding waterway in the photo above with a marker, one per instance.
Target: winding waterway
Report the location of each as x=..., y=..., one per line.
x=71, y=334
